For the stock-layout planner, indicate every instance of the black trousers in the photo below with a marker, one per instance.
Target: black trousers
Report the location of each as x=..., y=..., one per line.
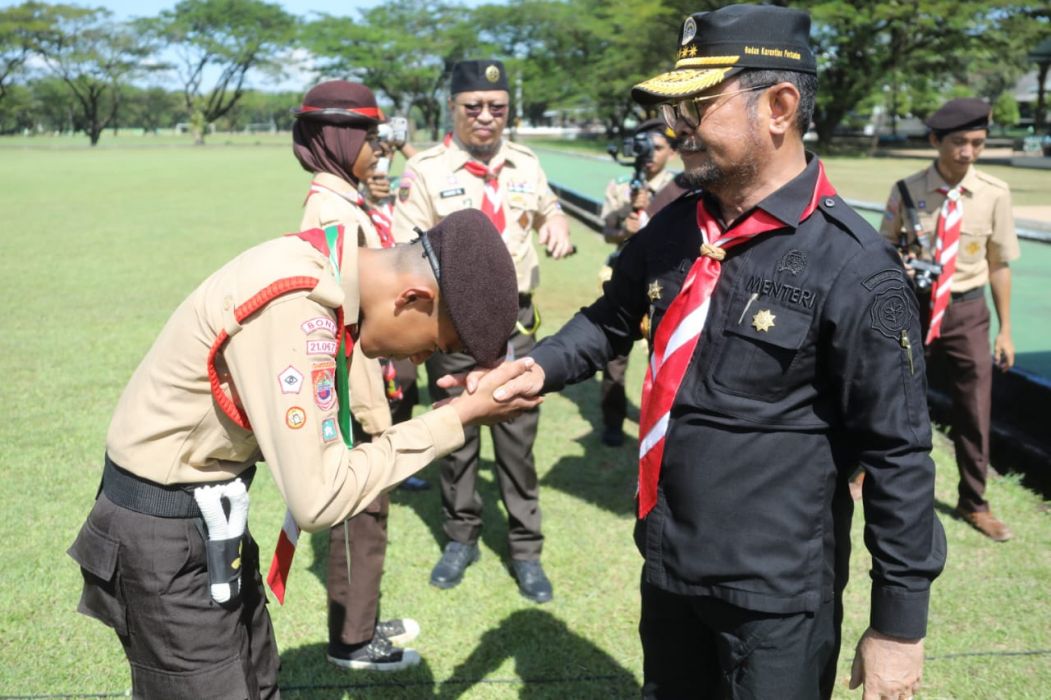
x=515, y=468
x=354, y=586
x=701, y=647
x=147, y=578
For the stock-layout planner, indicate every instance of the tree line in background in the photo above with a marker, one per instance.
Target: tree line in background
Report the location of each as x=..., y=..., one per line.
x=72, y=68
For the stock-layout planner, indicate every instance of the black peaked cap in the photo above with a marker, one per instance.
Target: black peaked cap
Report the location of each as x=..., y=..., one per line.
x=478, y=283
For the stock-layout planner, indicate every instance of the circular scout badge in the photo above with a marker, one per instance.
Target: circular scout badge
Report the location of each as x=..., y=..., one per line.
x=295, y=418
x=689, y=31
x=492, y=74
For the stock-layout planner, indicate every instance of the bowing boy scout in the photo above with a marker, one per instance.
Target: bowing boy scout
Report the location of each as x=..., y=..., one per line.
x=776, y=319
x=955, y=215
x=252, y=366
x=336, y=139
x=475, y=167
x=627, y=207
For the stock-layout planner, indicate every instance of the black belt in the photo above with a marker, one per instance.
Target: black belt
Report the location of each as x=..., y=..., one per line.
x=976, y=293
x=524, y=300
x=163, y=501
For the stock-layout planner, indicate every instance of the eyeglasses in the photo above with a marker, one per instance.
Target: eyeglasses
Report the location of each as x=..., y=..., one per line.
x=687, y=110
x=474, y=109
x=428, y=252
x=374, y=140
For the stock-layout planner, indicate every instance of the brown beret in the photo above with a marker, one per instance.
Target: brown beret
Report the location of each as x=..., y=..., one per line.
x=963, y=114
x=339, y=102
x=477, y=280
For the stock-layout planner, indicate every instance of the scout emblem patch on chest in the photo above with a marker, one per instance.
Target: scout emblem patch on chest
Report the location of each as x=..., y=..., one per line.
x=654, y=290
x=973, y=248
x=323, y=378
x=794, y=261
x=763, y=320
x=890, y=312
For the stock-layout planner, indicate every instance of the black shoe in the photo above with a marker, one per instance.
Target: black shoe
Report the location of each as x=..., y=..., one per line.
x=532, y=582
x=414, y=483
x=612, y=437
x=400, y=630
x=376, y=655
x=448, y=572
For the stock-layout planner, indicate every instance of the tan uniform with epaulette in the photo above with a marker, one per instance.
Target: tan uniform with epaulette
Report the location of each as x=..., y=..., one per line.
x=987, y=232
x=277, y=365
x=435, y=184
x=616, y=206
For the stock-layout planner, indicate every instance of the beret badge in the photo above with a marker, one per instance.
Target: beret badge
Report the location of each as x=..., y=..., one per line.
x=492, y=74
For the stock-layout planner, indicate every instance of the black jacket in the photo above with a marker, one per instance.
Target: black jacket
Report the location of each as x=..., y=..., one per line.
x=768, y=425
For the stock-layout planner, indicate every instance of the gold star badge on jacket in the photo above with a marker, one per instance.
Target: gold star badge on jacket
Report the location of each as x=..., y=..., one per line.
x=763, y=320
x=654, y=290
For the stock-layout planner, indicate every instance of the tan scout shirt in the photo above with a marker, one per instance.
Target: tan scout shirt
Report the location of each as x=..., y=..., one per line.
x=435, y=184
x=987, y=232
x=617, y=205
x=333, y=204
x=167, y=427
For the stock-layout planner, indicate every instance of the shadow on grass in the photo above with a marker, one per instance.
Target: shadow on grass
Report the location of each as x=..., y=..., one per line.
x=305, y=673
x=551, y=661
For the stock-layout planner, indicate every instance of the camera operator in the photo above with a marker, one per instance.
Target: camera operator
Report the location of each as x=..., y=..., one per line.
x=954, y=226
x=625, y=210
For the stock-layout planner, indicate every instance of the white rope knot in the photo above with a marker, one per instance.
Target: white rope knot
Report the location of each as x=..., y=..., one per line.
x=713, y=252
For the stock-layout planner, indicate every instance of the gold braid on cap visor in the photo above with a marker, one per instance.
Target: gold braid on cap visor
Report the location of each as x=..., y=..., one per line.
x=686, y=80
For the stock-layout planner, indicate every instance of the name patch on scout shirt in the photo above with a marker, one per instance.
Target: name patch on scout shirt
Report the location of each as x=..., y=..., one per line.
x=455, y=192
x=323, y=378
x=318, y=324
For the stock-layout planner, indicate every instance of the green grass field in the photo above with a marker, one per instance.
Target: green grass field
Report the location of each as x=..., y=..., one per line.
x=98, y=246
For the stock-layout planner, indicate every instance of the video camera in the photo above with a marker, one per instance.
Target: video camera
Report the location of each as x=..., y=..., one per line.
x=394, y=131
x=924, y=272
x=635, y=152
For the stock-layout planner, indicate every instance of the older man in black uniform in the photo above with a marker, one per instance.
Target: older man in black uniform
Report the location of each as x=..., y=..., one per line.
x=786, y=350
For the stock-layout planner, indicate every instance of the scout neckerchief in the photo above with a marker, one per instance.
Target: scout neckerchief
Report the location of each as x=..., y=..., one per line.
x=380, y=218
x=681, y=327
x=945, y=248
x=281, y=563
x=492, y=200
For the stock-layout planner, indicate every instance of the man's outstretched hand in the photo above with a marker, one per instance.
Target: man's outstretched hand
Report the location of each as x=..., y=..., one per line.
x=496, y=395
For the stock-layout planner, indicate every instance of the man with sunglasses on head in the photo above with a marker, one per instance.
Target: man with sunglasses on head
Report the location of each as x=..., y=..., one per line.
x=475, y=166
x=786, y=351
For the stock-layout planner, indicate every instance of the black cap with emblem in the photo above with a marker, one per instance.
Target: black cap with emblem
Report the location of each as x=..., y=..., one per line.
x=963, y=114
x=471, y=76
x=482, y=299
x=715, y=46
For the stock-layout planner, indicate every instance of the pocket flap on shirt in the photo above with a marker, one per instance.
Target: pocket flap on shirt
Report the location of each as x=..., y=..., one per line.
x=776, y=325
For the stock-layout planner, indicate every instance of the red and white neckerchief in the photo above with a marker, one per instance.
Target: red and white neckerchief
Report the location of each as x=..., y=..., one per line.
x=945, y=248
x=382, y=215
x=680, y=330
x=381, y=220
x=492, y=200
x=285, y=551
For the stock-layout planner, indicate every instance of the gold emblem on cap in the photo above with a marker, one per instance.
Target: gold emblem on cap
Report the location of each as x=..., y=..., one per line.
x=492, y=74
x=654, y=290
x=763, y=320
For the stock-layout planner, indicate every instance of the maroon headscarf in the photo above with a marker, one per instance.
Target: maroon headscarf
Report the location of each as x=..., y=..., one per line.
x=328, y=148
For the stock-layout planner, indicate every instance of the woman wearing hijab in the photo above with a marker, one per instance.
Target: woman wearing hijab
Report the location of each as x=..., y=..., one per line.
x=336, y=139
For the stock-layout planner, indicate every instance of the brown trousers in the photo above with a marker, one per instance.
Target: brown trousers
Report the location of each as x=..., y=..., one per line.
x=515, y=468
x=354, y=588
x=963, y=355
x=147, y=578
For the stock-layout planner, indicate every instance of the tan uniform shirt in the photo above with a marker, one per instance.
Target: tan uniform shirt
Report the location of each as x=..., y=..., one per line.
x=435, y=184
x=987, y=231
x=617, y=205
x=333, y=203
x=279, y=367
